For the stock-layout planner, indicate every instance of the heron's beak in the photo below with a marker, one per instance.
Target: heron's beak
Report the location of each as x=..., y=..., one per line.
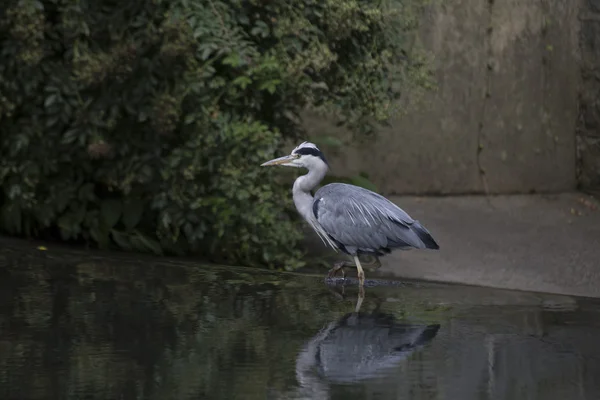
x=278, y=161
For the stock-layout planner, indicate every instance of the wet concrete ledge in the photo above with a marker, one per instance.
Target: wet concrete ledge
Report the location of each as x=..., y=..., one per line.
x=538, y=243
x=541, y=243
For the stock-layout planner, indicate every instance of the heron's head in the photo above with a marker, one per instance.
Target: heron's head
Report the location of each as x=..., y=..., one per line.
x=306, y=155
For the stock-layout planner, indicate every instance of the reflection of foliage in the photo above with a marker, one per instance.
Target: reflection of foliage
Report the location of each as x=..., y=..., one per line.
x=141, y=125
x=144, y=330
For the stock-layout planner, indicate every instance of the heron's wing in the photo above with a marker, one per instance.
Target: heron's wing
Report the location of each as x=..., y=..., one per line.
x=360, y=218
x=369, y=345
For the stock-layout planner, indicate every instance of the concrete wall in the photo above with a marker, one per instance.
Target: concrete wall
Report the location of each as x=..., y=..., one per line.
x=588, y=132
x=504, y=116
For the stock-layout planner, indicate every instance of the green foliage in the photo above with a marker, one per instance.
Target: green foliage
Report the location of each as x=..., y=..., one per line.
x=142, y=124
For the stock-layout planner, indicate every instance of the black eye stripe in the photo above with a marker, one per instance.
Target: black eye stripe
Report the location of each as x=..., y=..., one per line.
x=311, y=151
x=308, y=151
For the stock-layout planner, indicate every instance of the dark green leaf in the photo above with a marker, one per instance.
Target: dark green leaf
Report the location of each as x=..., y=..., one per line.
x=233, y=59
x=122, y=240
x=242, y=81
x=50, y=100
x=101, y=235
x=150, y=244
x=10, y=218
x=110, y=212
x=86, y=192
x=70, y=136
x=132, y=213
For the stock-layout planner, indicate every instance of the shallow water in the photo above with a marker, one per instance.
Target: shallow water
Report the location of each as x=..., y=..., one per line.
x=78, y=326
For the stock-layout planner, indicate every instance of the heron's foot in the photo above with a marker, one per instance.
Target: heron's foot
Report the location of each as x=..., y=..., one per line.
x=338, y=291
x=334, y=271
x=337, y=267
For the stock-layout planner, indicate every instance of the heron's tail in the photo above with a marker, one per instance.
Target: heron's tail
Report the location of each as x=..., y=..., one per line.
x=425, y=236
x=412, y=337
x=428, y=334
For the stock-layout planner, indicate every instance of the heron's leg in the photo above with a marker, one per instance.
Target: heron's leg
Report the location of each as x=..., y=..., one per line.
x=361, y=297
x=361, y=272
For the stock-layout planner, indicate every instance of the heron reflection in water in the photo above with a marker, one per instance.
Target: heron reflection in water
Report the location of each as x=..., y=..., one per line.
x=349, y=218
x=357, y=347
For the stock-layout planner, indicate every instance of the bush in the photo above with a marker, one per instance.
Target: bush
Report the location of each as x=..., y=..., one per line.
x=142, y=124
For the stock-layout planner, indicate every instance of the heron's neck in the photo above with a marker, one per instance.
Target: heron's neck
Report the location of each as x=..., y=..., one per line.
x=301, y=191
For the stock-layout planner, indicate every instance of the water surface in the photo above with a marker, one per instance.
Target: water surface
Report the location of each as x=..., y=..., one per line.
x=77, y=326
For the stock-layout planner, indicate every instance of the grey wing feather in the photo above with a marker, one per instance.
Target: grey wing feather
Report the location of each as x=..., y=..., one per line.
x=361, y=219
x=359, y=350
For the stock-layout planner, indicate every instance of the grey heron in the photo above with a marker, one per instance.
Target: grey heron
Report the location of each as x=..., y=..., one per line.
x=349, y=218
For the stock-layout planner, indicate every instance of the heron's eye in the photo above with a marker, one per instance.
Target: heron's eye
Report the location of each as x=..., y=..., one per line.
x=296, y=155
